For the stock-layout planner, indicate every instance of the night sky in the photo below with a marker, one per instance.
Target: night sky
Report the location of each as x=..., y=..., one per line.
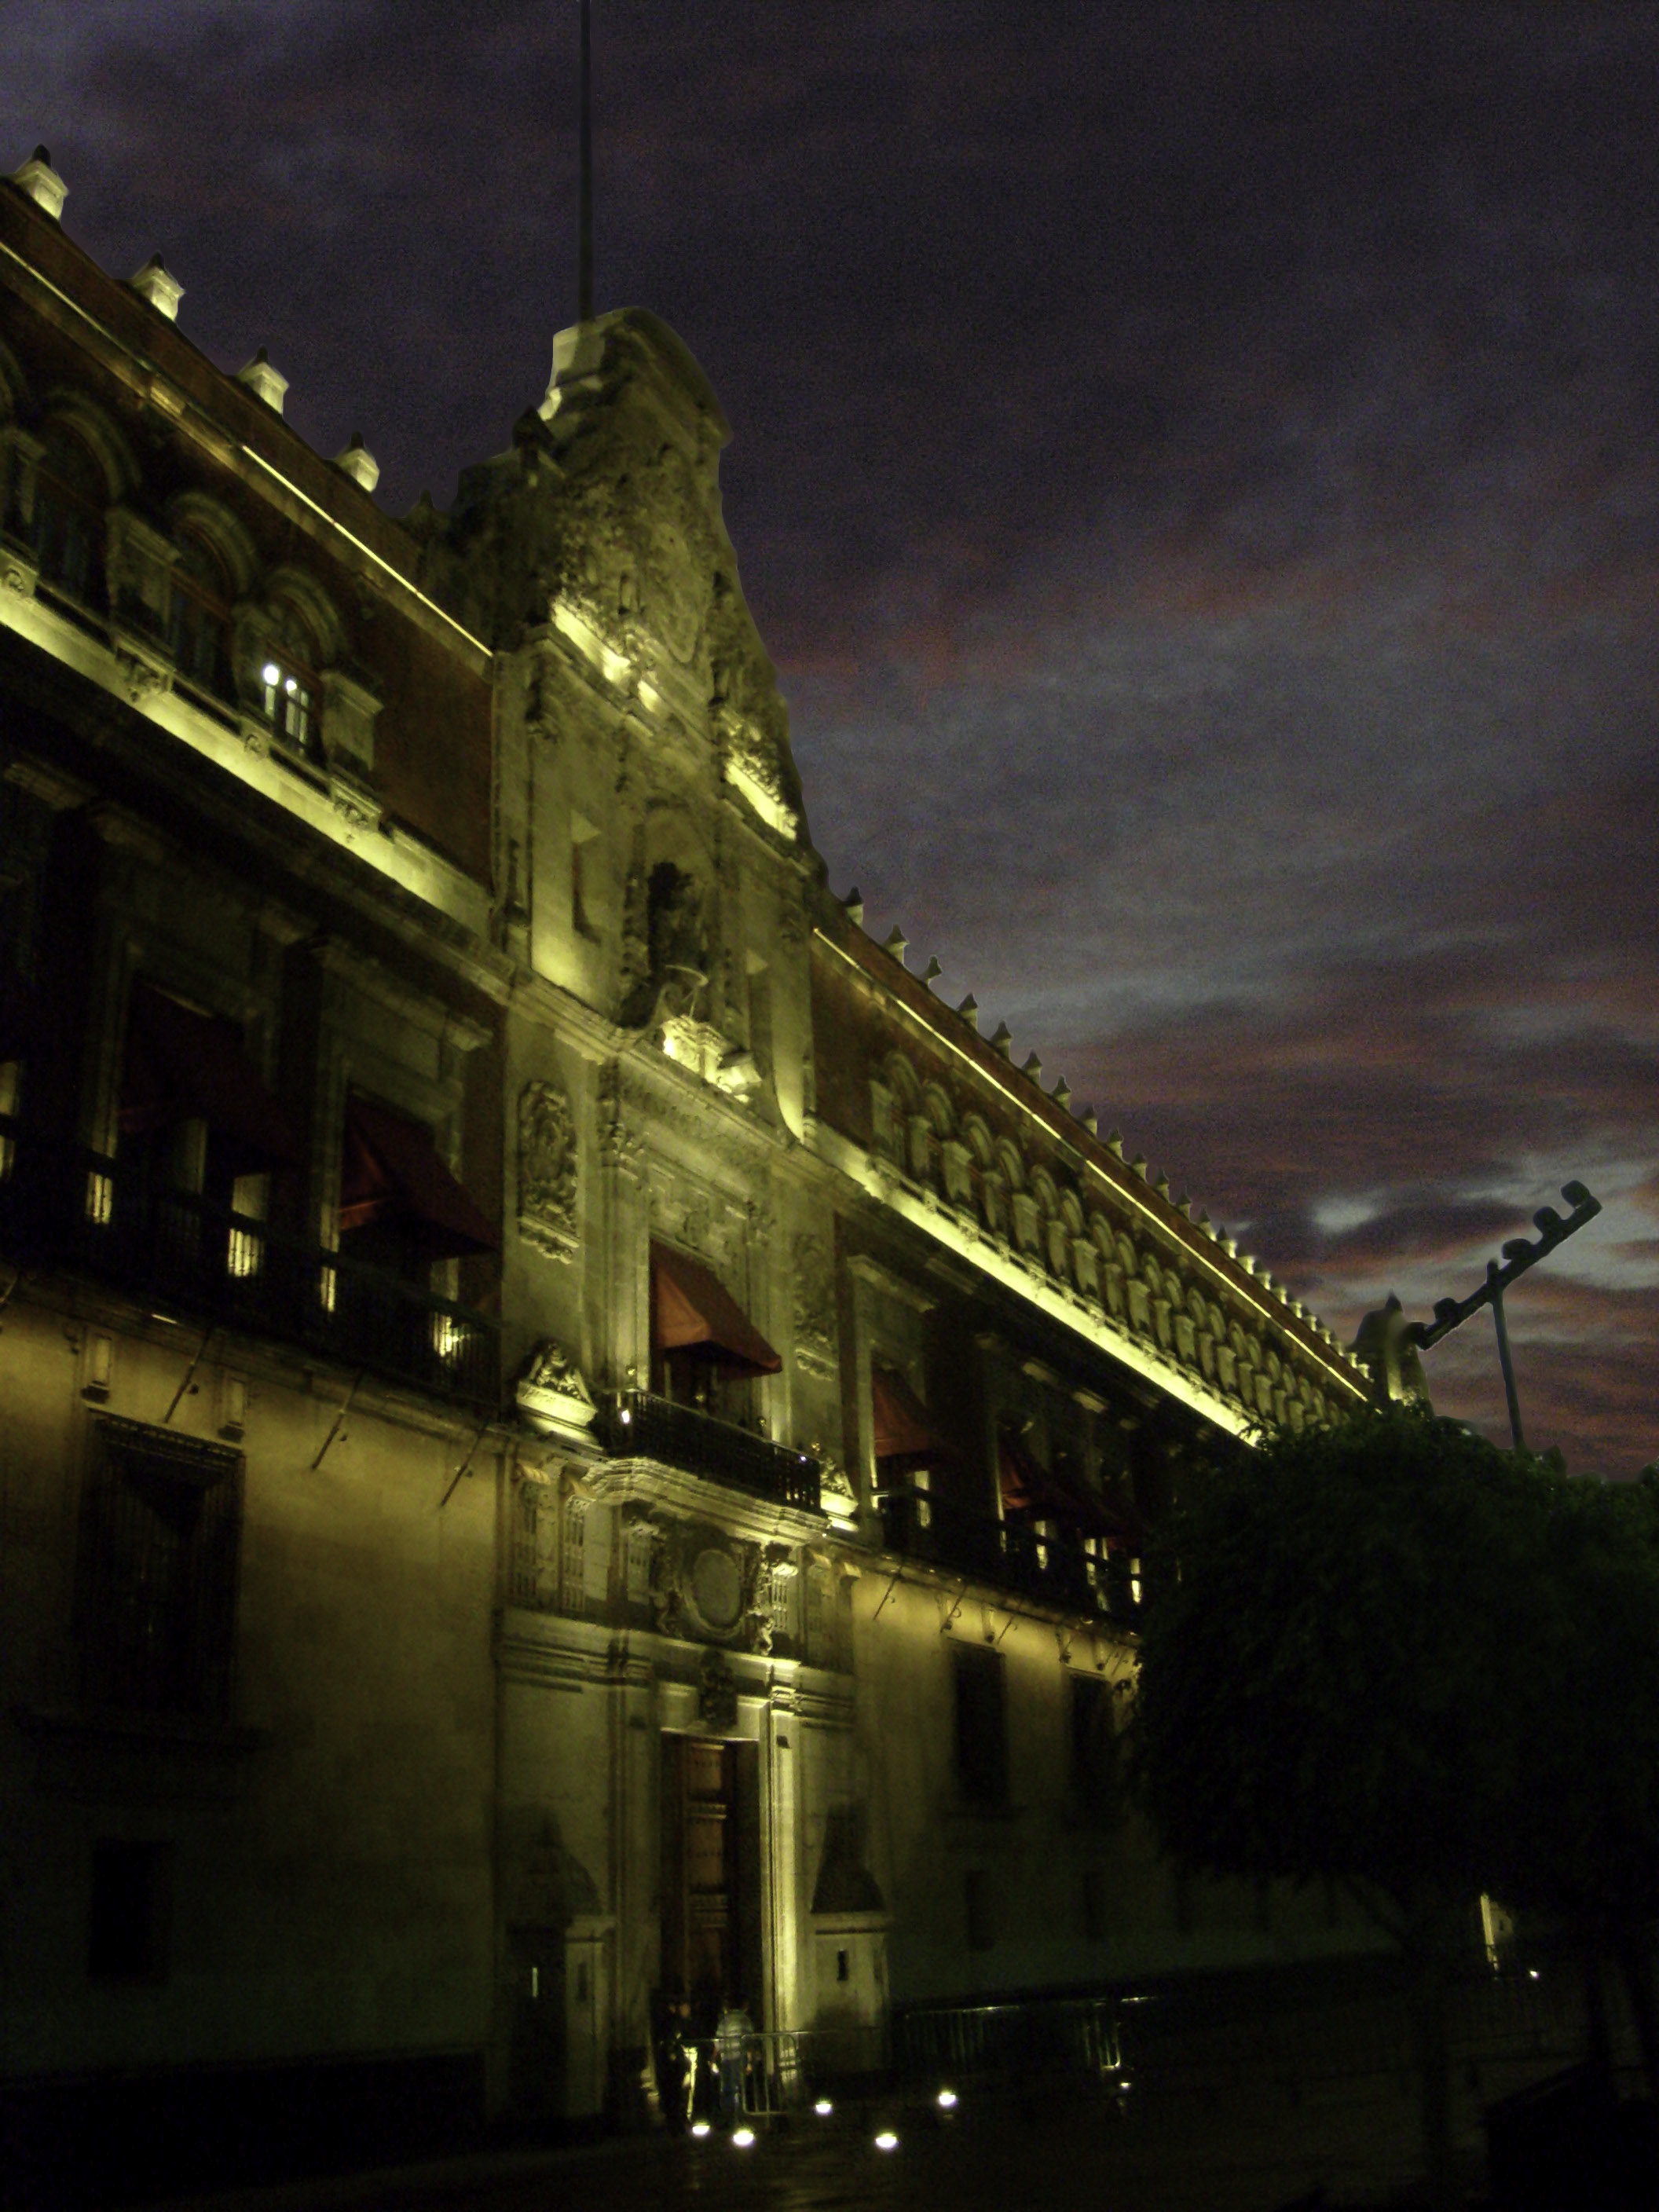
x=1196, y=468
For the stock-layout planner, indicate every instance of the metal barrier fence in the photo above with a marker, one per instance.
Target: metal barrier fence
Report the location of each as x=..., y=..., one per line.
x=1064, y=2037
x=777, y=2070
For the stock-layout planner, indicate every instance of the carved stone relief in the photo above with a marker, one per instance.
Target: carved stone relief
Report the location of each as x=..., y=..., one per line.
x=554, y=1395
x=814, y=1308
x=547, y=1170
x=717, y=1693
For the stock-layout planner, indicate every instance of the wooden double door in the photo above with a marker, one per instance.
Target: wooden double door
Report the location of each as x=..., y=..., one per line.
x=711, y=1876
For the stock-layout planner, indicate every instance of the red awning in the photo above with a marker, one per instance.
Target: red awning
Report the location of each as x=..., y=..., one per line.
x=1028, y=1487
x=186, y=1066
x=904, y=1435
x=390, y=1172
x=692, y=1312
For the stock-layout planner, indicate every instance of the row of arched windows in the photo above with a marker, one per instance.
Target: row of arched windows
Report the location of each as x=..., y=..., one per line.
x=181, y=574
x=1085, y=1252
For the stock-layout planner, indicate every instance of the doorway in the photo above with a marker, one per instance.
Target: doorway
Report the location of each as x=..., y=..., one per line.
x=711, y=1877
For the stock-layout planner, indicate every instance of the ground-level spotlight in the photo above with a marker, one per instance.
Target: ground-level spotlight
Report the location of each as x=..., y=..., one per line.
x=887, y=2139
x=823, y=2108
x=700, y=2128
x=743, y=2137
x=947, y=2100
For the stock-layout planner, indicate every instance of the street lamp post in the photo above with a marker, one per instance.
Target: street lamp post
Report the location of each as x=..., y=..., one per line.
x=1519, y=1255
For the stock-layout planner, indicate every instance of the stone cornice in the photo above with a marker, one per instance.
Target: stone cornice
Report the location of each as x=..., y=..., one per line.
x=1087, y=1154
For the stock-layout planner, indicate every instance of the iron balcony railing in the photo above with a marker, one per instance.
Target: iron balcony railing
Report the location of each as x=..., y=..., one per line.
x=1009, y=1554
x=641, y=1425
x=62, y=1206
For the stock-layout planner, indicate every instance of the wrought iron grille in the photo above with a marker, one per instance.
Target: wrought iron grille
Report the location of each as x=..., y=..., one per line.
x=155, y=1573
x=61, y=1205
x=646, y=1426
x=1054, y=1569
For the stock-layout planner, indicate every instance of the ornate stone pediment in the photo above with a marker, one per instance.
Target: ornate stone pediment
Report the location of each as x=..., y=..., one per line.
x=554, y=1396
x=604, y=523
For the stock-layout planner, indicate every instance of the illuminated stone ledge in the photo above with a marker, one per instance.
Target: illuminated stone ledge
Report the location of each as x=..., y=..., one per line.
x=559, y=1648
x=340, y=815
x=882, y=1182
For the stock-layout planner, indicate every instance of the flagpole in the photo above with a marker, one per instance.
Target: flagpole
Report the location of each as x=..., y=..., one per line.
x=585, y=263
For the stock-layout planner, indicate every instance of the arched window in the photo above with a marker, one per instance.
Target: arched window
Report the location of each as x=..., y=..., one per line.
x=289, y=685
x=69, y=499
x=200, y=618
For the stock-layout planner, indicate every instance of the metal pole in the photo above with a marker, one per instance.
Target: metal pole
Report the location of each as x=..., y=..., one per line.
x=1504, y=1361
x=585, y=263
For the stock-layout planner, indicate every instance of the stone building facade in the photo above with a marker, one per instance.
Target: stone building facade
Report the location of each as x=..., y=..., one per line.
x=573, y=1440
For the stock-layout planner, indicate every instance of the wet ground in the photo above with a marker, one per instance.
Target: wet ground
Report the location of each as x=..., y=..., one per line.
x=1235, y=2106
x=1208, y=2151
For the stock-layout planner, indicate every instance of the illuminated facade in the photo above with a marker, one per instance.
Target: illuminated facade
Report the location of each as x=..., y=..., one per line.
x=573, y=1439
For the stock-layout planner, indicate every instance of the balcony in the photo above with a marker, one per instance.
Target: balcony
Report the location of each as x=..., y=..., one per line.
x=641, y=1425
x=63, y=1207
x=1054, y=1571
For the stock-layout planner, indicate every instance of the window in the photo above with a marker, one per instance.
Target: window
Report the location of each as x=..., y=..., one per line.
x=982, y=1733
x=201, y=621
x=197, y=1122
x=906, y=1449
x=127, y=1925
x=155, y=1572
x=705, y=1350
x=1094, y=1746
x=289, y=694
x=400, y=1208
x=69, y=497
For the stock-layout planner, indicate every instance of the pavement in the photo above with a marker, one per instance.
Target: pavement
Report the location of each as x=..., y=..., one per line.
x=1352, y=2144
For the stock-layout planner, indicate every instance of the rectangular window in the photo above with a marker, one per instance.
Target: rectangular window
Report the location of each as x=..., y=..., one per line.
x=1094, y=1748
x=290, y=695
x=127, y=1923
x=982, y=1731
x=156, y=1572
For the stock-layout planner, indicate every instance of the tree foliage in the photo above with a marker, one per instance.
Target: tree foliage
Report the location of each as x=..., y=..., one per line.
x=1387, y=1655
x=1335, y=1674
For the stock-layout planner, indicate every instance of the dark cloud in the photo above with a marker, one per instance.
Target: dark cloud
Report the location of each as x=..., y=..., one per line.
x=1197, y=467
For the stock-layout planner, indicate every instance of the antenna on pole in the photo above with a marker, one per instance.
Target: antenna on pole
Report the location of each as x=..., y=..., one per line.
x=585, y=250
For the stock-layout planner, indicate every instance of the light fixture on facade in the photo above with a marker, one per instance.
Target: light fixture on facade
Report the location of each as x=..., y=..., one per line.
x=700, y=2128
x=947, y=2100
x=743, y=2137
x=823, y=2108
x=887, y=2139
